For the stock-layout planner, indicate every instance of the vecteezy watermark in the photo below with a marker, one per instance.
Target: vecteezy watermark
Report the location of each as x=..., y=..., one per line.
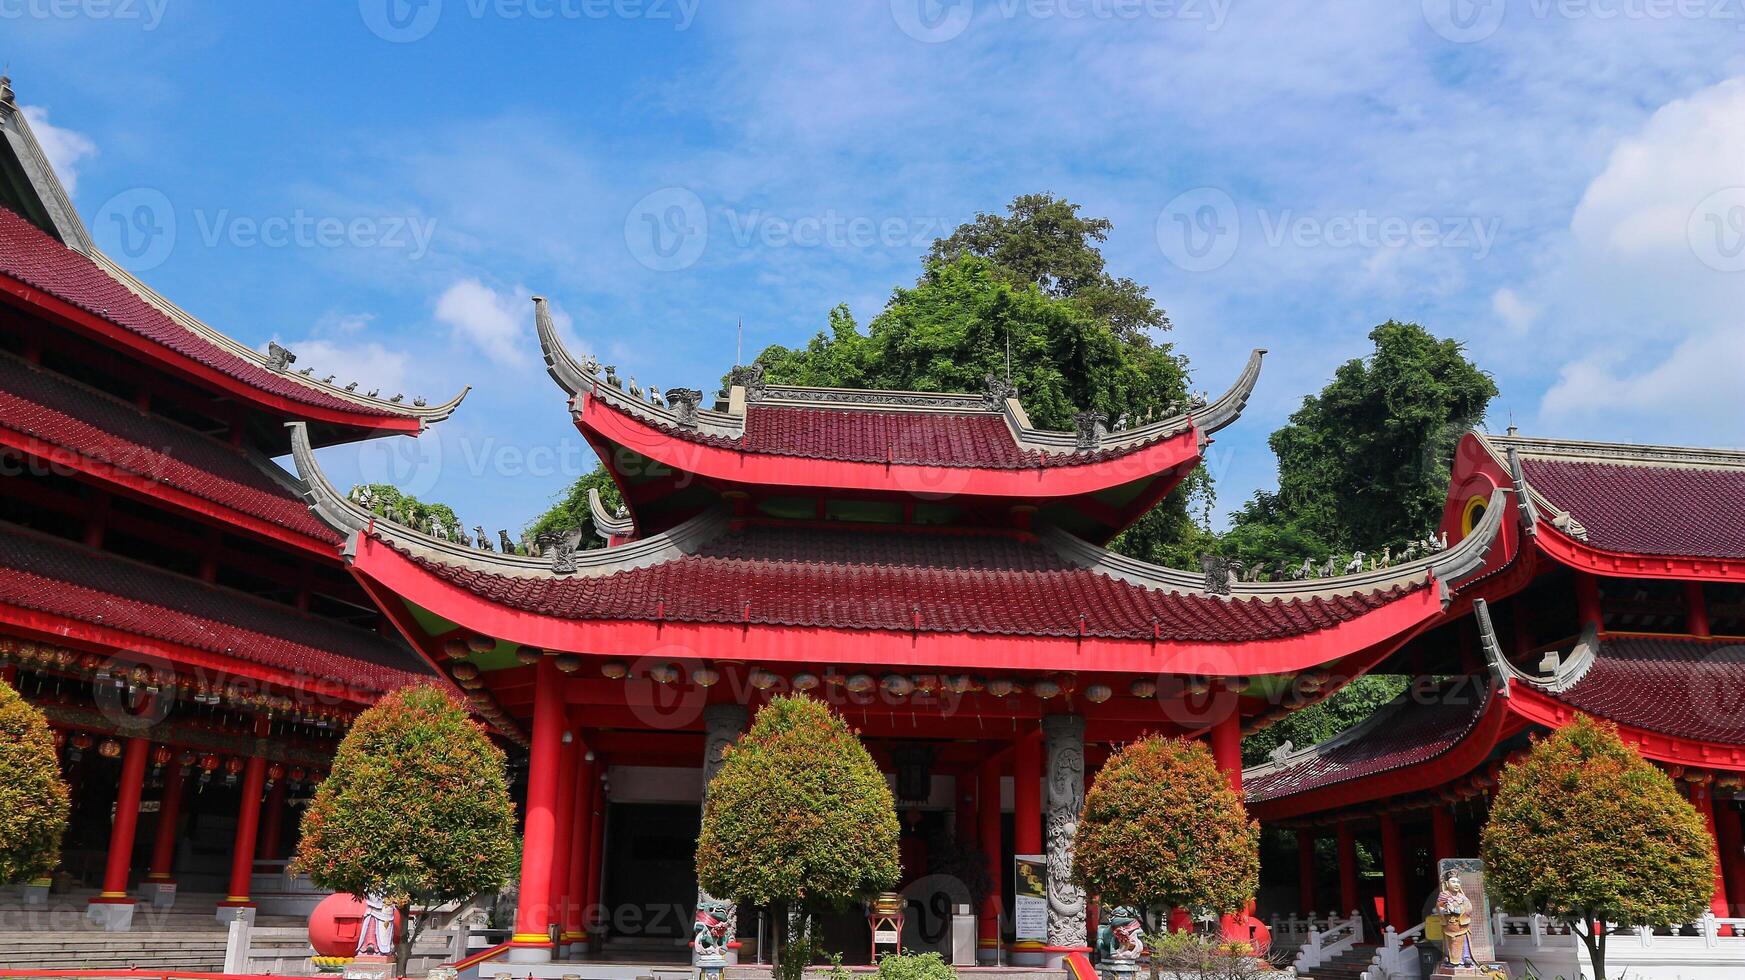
x=147, y=13
x=668, y=229
x=1469, y=21
x=937, y=21
x=139, y=228
x=402, y=21
x=1716, y=230
x=1199, y=230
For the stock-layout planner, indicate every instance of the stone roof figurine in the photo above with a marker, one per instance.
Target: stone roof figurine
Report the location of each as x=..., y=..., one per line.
x=279, y=358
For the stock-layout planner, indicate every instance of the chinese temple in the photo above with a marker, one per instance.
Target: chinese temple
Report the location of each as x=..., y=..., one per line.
x=201, y=624
x=165, y=596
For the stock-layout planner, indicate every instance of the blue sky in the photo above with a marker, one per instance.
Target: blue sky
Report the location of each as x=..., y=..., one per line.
x=381, y=184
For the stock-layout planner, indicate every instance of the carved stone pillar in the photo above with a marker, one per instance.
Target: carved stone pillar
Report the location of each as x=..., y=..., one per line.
x=1065, y=783
x=722, y=726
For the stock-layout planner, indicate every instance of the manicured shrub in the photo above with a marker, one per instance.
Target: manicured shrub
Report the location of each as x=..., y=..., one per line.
x=33, y=796
x=1587, y=831
x=916, y=966
x=416, y=809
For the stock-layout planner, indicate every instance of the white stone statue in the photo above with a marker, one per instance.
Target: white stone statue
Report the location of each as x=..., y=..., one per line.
x=375, y=935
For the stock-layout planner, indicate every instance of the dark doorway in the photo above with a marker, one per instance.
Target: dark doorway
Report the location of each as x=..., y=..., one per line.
x=651, y=873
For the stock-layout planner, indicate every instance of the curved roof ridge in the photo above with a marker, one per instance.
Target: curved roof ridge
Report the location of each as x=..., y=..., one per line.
x=1619, y=453
x=1449, y=568
x=565, y=559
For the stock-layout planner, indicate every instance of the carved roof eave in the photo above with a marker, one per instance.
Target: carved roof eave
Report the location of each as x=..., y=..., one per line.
x=1505, y=450
x=1617, y=453
x=352, y=519
x=1570, y=670
x=607, y=525
x=1228, y=408
x=1448, y=569
x=50, y=194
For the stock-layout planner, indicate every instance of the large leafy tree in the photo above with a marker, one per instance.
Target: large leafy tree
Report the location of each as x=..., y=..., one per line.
x=571, y=511
x=387, y=500
x=1365, y=464
x=799, y=817
x=1324, y=719
x=416, y=810
x=33, y=797
x=1162, y=829
x=1585, y=830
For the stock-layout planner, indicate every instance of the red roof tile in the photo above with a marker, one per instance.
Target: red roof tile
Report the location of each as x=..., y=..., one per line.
x=68, y=581
x=30, y=256
x=1409, y=731
x=870, y=435
x=955, y=583
x=48, y=407
x=1688, y=688
x=1648, y=510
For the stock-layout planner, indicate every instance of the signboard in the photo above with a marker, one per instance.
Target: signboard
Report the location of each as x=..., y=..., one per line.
x=885, y=937
x=1030, y=898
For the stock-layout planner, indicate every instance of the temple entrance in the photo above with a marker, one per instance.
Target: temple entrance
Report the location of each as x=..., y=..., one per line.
x=650, y=891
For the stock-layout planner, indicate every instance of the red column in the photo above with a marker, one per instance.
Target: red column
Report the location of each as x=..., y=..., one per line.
x=1731, y=841
x=581, y=844
x=248, y=823
x=1704, y=801
x=564, y=829
x=1226, y=739
x=163, y=849
x=1393, y=861
x=1587, y=600
x=597, y=851
x=539, y=835
x=1027, y=794
x=988, y=836
x=1305, y=870
x=1347, y=869
x=272, y=823
x=1696, y=609
x=126, y=820
x=1444, y=842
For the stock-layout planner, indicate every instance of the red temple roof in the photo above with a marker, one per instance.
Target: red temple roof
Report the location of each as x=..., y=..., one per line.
x=77, y=424
x=70, y=583
x=1414, y=728
x=1685, y=687
x=32, y=260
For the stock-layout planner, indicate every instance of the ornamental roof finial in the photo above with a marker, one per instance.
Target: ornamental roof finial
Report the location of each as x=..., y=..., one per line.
x=6, y=90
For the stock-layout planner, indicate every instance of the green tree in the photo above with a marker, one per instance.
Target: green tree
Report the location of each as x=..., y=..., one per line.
x=798, y=817
x=1324, y=719
x=416, y=809
x=387, y=500
x=571, y=511
x=1162, y=829
x=1365, y=464
x=33, y=797
x=1587, y=831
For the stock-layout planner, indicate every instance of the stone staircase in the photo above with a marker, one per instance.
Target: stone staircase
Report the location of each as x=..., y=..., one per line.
x=1348, y=965
x=56, y=936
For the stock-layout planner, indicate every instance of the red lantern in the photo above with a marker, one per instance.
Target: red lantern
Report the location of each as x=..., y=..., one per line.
x=209, y=762
x=60, y=739
x=275, y=772
x=82, y=741
x=298, y=774
x=161, y=756
x=109, y=749
x=233, y=765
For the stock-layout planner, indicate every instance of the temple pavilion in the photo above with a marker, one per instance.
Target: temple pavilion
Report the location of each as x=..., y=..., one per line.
x=200, y=624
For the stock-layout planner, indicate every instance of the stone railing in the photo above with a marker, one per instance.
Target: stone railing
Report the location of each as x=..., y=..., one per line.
x=1323, y=944
x=286, y=952
x=1710, y=948
x=1293, y=929
x=1396, y=958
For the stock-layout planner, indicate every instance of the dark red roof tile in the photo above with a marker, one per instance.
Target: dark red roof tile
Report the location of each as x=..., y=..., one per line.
x=1648, y=510
x=1411, y=730
x=955, y=583
x=32, y=257
x=48, y=407
x=1688, y=688
x=74, y=583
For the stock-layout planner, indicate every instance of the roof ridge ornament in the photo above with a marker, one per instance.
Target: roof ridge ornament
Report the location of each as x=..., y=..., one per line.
x=279, y=357
x=749, y=377
x=685, y=401
x=996, y=391
x=1092, y=427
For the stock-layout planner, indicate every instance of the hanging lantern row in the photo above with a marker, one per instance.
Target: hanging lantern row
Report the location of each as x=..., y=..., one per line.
x=104, y=673
x=895, y=685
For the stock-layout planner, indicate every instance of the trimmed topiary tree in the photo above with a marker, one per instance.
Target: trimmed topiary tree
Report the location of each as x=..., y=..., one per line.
x=798, y=817
x=416, y=810
x=33, y=796
x=1162, y=829
x=1587, y=831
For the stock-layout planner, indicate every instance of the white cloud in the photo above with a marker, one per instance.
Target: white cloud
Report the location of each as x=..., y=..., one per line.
x=371, y=364
x=494, y=322
x=1695, y=388
x=1516, y=313
x=63, y=147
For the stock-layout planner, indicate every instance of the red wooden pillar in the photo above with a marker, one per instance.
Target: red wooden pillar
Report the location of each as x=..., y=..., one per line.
x=1347, y=869
x=1703, y=799
x=273, y=823
x=1393, y=861
x=126, y=822
x=1730, y=839
x=1587, y=600
x=248, y=823
x=1444, y=842
x=575, y=929
x=532, y=938
x=1696, y=607
x=1305, y=870
x=1027, y=816
x=596, y=913
x=988, y=835
x=564, y=823
x=163, y=849
x=9, y=673
x=1226, y=739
